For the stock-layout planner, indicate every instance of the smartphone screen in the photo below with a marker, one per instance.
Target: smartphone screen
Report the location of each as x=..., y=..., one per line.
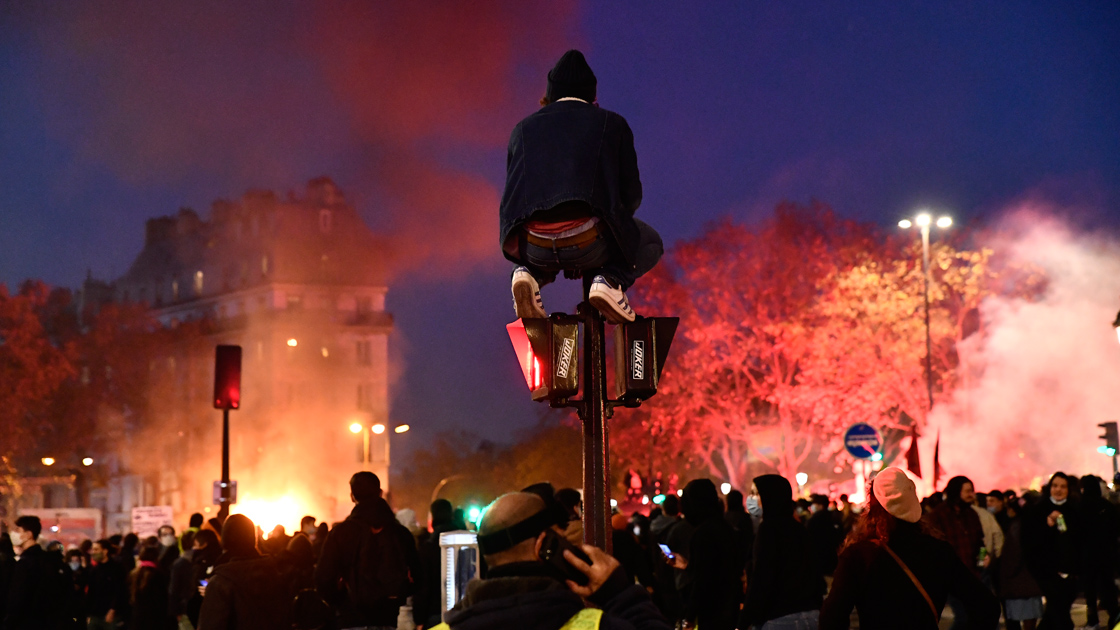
x=665, y=550
x=203, y=582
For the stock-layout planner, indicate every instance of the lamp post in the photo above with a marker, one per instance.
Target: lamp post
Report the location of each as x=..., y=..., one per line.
x=377, y=429
x=923, y=220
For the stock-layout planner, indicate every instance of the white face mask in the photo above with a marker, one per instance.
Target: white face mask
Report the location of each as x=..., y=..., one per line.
x=167, y=541
x=754, y=508
x=17, y=539
x=1057, y=502
x=75, y=565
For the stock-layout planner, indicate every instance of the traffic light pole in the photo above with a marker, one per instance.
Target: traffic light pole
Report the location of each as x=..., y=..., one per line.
x=223, y=512
x=593, y=414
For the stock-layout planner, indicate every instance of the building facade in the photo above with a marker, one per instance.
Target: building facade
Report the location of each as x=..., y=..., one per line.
x=299, y=284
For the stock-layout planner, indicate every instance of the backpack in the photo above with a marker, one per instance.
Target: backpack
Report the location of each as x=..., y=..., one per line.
x=380, y=571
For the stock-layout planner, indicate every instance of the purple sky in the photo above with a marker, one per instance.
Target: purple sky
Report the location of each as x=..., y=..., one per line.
x=113, y=113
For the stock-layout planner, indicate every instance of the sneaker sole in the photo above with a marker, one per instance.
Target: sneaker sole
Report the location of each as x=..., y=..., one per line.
x=609, y=309
x=525, y=303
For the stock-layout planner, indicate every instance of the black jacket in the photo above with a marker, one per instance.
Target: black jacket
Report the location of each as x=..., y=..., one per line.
x=246, y=594
x=784, y=577
x=869, y=580
x=1047, y=550
x=37, y=593
x=715, y=568
x=108, y=589
x=526, y=597
x=572, y=151
x=336, y=566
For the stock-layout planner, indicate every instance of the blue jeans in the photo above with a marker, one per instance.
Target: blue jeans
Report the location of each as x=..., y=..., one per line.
x=807, y=620
x=600, y=257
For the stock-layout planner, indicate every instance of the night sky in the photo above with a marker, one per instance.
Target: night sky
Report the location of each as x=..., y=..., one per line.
x=114, y=112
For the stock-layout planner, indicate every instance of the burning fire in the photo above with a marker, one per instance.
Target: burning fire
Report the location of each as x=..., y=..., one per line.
x=284, y=511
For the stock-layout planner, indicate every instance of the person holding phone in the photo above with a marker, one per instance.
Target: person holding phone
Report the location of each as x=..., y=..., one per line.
x=536, y=579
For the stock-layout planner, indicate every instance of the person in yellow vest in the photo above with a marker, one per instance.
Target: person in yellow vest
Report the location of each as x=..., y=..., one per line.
x=520, y=591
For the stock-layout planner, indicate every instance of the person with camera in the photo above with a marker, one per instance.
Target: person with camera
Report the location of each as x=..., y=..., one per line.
x=536, y=579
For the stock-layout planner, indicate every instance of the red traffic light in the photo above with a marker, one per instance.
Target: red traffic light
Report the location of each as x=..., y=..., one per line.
x=548, y=354
x=227, y=377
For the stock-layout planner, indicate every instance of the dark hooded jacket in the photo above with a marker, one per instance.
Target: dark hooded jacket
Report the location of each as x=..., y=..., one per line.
x=246, y=590
x=526, y=596
x=1100, y=527
x=784, y=578
x=715, y=566
x=572, y=153
x=337, y=565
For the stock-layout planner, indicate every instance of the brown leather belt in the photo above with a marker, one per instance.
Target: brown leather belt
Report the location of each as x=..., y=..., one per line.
x=579, y=240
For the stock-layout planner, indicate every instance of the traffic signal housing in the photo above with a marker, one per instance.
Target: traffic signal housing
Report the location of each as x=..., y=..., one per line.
x=1111, y=439
x=640, y=350
x=548, y=351
x=227, y=377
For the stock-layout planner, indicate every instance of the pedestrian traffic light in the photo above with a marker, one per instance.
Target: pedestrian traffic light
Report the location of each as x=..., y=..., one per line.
x=548, y=352
x=227, y=378
x=640, y=350
x=1111, y=439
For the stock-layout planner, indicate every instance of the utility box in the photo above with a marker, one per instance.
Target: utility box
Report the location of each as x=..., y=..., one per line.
x=459, y=562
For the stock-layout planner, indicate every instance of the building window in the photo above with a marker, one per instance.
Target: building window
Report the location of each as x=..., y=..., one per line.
x=174, y=290
x=325, y=221
x=198, y=283
x=365, y=397
x=264, y=265
x=295, y=300
x=365, y=352
x=365, y=305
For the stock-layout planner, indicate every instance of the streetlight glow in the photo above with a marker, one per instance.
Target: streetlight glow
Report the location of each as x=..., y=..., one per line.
x=356, y=428
x=48, y=461
x=87, y=461
x=379, y=428
x=923, y=219
x=802, y=478
x=401, y=428
x=905, y=224
x=725, y=488
x=292, y=343
x=944, y=222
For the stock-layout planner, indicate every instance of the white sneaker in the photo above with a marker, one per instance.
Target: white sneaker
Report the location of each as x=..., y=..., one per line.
x=527, y=303
x=610, y=301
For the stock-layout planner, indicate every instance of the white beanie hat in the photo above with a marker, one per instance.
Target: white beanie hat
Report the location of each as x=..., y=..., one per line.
x=896, y=492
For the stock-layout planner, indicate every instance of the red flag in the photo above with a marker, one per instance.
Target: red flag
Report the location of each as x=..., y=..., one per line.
x=937, y=469
x=913, y=462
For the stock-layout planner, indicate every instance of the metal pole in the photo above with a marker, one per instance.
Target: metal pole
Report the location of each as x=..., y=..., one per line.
x=365, y=446
x=593, y=413
x=223, y=511
x=929, y=342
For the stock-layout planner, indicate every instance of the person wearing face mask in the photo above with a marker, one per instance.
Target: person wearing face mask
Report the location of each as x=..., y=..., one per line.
x=896, y=574
x=1051, y=533
x=784, y=583
x=168, y=548
x=35, y=589
x=75, y=562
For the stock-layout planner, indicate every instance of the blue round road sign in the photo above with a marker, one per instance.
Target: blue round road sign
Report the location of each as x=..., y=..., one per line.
x=862, y=440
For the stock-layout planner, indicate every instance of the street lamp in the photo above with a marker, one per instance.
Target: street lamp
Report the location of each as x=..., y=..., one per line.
x=923, y=221
x=376, y=429
x=87, y=461
x=48, y=461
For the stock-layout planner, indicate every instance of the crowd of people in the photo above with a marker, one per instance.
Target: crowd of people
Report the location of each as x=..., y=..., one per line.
x=765, y=560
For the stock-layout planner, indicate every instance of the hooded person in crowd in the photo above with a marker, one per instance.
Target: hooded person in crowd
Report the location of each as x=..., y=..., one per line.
x=245, y=589
x=742, y=523
x=572, y=188
x=426, y=600
x=148, y=588
x=961, y=527
x=895, y=574
x=713, y=567
x=785, y=586
x=369, y=561
x=1051, y=535
x=522, y=591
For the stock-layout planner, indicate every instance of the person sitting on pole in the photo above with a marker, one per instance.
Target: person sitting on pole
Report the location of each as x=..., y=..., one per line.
x=572, y=188
x=522, y=591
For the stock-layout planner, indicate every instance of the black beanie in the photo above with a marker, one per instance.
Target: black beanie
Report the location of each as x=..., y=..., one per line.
x=571, y=76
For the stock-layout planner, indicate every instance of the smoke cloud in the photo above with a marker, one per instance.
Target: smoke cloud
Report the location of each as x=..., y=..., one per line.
x=1048, y=371
x=407, y=107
